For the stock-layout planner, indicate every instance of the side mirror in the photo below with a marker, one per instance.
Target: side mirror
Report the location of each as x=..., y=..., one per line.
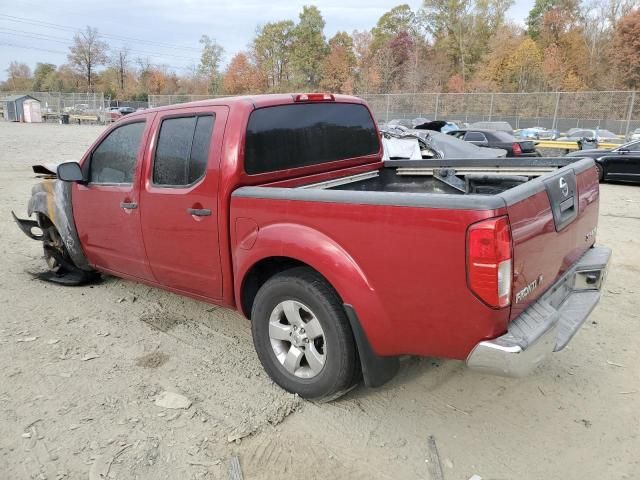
x=70, y=172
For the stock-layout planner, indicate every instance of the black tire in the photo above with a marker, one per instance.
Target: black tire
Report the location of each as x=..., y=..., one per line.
x=62, y=270
x=600, y=171
x=56, y=254
x=341, y=367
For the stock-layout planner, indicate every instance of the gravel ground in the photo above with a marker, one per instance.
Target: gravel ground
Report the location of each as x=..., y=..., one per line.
x=83, y=367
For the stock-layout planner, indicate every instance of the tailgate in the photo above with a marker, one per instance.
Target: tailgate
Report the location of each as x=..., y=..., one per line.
x=553, y=222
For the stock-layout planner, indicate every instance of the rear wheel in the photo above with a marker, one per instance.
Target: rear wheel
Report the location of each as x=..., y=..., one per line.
x=600, y=172
x=302, y=335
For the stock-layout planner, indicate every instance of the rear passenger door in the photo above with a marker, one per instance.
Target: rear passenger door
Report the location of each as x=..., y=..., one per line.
x=179, y=200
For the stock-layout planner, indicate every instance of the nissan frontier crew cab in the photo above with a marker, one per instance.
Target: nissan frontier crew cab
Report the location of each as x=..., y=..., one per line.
x=280, y=206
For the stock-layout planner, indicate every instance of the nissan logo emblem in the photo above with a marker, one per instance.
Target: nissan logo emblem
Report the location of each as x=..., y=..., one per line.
x=564, y=188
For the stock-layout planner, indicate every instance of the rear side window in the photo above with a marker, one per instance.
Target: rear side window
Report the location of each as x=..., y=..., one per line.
x=475, y=137
x=503, y=136
x=183, y=150
x=114, y=160
x=299, y=135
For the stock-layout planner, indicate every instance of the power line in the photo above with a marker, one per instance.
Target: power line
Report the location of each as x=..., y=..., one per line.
x=31, y=48
x=68, y=42
x=26, y=47
x=55, y=26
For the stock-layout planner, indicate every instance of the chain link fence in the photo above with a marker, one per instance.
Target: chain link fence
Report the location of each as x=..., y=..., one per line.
x=163, y=100
x=54, y=104
x=618, y=111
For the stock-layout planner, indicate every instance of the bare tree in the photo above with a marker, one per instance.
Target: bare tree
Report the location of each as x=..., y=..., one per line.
x=19, y=76
x=88, y=52
x=121, y=62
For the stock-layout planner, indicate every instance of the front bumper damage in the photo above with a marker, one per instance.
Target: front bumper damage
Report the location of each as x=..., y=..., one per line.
x=547, y=325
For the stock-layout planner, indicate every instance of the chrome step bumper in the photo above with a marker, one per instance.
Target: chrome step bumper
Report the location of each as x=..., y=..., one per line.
x=547, y=325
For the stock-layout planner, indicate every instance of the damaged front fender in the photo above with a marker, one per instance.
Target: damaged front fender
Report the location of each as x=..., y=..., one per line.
x=52, y=198
x=27, y=226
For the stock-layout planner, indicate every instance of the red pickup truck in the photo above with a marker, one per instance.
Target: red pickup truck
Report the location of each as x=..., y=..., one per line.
x=280, y=206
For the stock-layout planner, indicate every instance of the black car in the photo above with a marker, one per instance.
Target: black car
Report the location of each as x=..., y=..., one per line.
x=621, y=163
x=498, y=139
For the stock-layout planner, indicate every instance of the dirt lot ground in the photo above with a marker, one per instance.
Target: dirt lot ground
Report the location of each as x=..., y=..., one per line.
x=81, y=369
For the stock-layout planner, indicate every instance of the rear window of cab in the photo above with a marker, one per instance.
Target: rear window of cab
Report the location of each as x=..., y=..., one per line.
x=300, y=135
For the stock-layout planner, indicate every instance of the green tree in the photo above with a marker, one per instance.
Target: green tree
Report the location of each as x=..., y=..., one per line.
x=463, y=28
x=397, y=20
x=309, y=47
x=271, y=50
x=40, y=74
x=210, y=61
x=535, y=19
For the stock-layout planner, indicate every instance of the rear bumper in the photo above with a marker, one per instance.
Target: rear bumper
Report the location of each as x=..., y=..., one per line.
x=547, y=325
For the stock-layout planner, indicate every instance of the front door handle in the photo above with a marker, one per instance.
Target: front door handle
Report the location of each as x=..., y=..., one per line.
x=128, y=205
x=199, y=212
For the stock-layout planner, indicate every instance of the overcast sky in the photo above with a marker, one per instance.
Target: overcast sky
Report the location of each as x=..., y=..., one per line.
x=167, y=31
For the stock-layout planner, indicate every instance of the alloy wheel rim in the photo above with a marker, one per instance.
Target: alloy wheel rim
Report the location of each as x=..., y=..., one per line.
x=297, y=339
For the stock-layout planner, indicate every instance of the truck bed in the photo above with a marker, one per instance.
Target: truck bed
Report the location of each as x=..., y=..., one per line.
x=458, y=177
x=405, y=235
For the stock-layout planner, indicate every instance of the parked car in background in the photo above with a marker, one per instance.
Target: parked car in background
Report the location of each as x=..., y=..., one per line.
x=114, y=114
x=635, y=135
x=537, y=133
x=126, y=110
x=403, y=122
x=575, y=134
x=621, y=163
x=77, y=108
x=498, y=139
x=430, y=144
x=500, y=126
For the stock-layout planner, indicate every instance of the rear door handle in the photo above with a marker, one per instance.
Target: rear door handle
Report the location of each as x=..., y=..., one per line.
x=199, y=212
x=129, y=205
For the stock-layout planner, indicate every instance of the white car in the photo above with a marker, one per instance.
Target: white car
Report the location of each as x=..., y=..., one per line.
x=635, y=135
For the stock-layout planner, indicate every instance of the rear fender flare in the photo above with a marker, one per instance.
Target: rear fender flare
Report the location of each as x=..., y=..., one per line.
x=321, y=253
x=52, y=198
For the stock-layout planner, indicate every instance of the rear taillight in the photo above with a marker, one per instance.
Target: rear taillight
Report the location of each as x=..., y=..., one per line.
x=489, y=265
x=517, y=149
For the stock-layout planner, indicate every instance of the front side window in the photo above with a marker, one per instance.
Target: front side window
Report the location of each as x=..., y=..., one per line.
x=114, y=160
x=183, y=150
x=299, y=135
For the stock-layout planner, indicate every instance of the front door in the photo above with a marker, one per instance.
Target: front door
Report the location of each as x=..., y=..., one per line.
x=106, y=208
x=179, y=200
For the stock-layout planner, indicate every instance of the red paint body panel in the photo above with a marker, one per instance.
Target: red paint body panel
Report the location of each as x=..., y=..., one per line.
x=182, y=249
x=403, y=269
x=539, y=249
x=111, y=237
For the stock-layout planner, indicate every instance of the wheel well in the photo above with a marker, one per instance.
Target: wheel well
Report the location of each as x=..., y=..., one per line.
x=259, y=273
